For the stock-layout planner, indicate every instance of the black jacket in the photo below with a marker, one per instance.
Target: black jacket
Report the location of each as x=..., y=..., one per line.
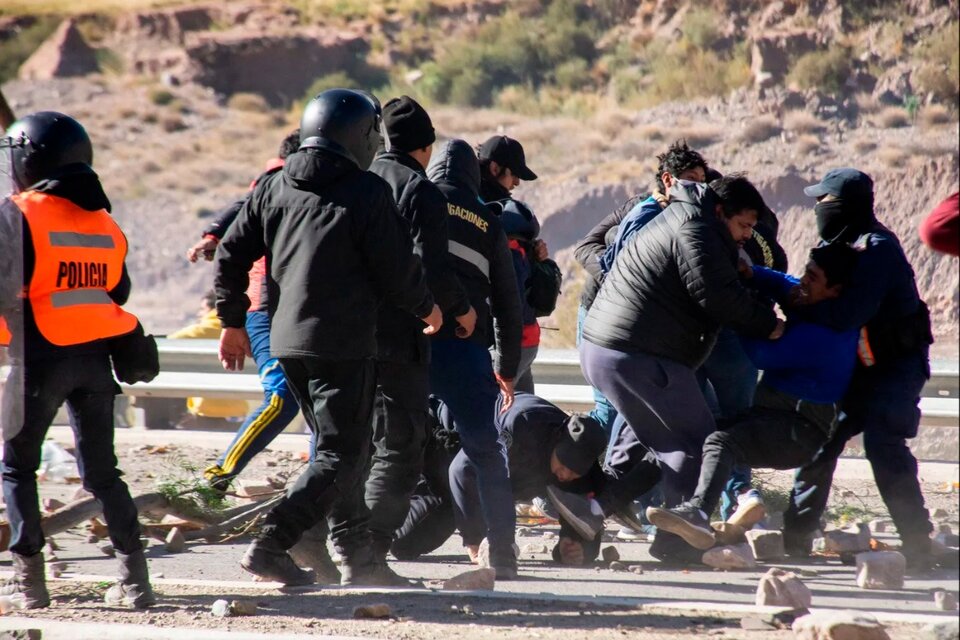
x=336, y=248
x=530, y=430
x=424, y=209
x=479, y=254
x=16, y=245
x=674, y=285
x=594, y=244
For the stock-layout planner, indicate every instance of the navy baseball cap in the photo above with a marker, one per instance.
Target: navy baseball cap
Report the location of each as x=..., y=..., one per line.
x=508, y=153
x=845, y=183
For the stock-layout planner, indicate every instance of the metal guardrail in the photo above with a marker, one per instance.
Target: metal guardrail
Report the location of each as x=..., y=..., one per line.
x=190, y=368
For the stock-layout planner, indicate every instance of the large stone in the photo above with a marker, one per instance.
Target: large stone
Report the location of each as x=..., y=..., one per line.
x=728, y=534
x=850, y=540
x=610, y=554
x=945, y=601
x=881, y=570
x=839, y=625
x=730, y=558
x=894, y=85
x=175, y=542
x=781, y=588
x=63, y=54
x=766, y=545
x=471, y=580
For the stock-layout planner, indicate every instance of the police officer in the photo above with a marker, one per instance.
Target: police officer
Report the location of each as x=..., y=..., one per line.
x=74, y=280
x=460, y=370
x=336, y=250
x=403, y=351
x=883, y=398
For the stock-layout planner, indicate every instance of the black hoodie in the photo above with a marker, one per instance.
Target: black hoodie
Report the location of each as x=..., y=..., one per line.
x=336, y=249
x=479, y=254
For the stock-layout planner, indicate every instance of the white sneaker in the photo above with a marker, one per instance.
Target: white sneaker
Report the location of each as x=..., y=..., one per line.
x=629, y=535
x=750, y=510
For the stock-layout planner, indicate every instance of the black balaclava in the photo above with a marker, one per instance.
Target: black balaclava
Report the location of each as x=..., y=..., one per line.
x=839, y=219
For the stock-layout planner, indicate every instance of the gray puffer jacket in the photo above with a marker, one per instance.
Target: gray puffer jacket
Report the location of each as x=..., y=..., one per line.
x=674, y=285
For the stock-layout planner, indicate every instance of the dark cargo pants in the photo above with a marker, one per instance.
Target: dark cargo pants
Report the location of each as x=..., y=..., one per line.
x=336, y=397
x=86, y=384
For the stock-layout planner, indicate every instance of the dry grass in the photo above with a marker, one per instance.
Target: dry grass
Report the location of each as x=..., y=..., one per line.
x=863, y=147
x=893, y=118
x=935, y=115
x=172, y=123
x=867, y=103
x=699, y=136
x=801, y=122
x=808, y=144
x=652, y=132
x=251, y=102
x=893, y=156
x=760, y=129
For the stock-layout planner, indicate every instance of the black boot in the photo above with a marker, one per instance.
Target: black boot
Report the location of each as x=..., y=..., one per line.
x=311, y=551
x=362, y=568
x=133, y=589
x=267, y=559
x=28, y=580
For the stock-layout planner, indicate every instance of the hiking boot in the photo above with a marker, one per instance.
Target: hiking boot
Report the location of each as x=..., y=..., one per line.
x=797, y=545
x=670, y=548
x=29, y=580
x=311, y=551
x=578, y=511
x=265, y=558
x=504, y=562
x=363, y=569
x=750, y=510
x=686, y=521
x=133, y=590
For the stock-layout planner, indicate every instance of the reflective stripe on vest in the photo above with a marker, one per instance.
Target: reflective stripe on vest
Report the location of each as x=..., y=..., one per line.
x=79, y=258
x=472, y=256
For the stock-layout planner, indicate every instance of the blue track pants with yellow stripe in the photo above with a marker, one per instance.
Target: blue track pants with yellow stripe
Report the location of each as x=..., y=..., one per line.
x=268, y=420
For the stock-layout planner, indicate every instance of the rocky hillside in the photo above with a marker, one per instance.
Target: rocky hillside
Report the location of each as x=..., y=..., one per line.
x=185, y=103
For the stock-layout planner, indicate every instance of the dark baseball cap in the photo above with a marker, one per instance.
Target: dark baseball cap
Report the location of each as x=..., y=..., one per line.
x=507, y=152
x=845, y=183
x=581, y=444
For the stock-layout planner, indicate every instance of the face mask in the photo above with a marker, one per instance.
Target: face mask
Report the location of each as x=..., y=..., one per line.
x=832, y=220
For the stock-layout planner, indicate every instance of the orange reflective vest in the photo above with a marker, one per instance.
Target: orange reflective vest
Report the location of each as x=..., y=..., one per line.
x=4, y=333
x=79, y=257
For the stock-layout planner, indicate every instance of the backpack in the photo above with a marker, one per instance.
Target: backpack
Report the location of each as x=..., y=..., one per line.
x=543, y=286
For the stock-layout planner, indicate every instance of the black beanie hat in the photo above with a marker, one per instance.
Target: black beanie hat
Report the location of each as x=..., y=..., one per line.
x=408, y=125
x=581, y=444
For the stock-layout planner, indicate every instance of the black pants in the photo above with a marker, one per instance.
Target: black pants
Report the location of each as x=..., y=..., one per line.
x=399, y=433
x=883, y=406
x=778, y=432
x=86, y=384
x=428, y=525
x=336, y=398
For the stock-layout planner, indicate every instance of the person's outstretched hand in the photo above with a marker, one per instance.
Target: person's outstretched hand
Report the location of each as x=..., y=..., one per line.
x=206, y=248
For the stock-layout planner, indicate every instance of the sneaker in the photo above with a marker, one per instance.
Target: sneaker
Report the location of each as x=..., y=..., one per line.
x=627, y=534
x=750, y=510
x=576, y=510
x=265, y=558
x=546, y=508
x=670, y=548
x=629, y=518
x=686, y=521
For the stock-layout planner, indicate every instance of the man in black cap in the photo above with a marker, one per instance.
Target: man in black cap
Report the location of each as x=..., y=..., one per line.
x=544, y=446
x=403, y=351
x=883, y=397
x=502, y=166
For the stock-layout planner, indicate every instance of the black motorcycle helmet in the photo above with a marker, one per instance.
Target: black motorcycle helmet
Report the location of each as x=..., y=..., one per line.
x=344, y=122
x=46, y=145
x=518, y=220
